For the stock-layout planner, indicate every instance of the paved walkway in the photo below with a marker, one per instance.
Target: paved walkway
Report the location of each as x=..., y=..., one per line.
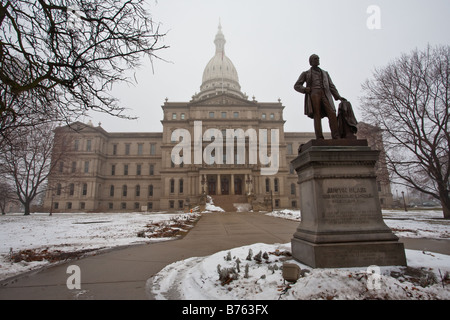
x=122, y=274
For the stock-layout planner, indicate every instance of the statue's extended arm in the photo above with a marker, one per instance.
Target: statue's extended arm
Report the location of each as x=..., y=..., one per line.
x=334, y=91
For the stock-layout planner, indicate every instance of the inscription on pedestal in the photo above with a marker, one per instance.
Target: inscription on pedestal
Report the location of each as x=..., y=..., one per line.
x=342, y=223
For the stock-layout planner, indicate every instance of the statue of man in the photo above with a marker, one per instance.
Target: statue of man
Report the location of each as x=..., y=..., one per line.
x=319, y=93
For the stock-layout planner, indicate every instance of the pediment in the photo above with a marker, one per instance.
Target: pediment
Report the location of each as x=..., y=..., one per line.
x=221, y=100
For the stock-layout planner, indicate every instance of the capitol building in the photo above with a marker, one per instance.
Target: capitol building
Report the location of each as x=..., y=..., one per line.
x=139, y=171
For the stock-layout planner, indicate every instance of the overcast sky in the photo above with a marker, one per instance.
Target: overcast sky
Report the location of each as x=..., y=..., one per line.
x=269, y=43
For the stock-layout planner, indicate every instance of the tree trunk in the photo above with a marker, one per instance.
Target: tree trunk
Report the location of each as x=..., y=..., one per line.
x=26, y=205
x=446, y=207
x=444, y=197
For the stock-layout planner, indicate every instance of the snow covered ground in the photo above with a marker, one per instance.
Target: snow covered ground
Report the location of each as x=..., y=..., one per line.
x=426, y=276
x=75, y=232
x=198, y=278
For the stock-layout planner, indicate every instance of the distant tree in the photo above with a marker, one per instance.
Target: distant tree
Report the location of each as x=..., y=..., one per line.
x=409, y=100
x=66, y=55
x=30, y=158
x=7, y=195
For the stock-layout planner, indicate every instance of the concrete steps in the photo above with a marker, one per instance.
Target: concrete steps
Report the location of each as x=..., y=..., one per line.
x=227, y=202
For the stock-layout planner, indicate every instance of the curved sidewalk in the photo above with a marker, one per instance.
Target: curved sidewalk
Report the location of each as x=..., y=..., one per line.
x=122, y=274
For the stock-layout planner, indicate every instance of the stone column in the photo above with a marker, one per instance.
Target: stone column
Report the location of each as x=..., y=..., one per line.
x=342, y=224
x=232, y=184
x=219, y=185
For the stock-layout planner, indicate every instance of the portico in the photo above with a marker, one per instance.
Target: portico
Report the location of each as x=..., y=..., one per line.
x=225, y=183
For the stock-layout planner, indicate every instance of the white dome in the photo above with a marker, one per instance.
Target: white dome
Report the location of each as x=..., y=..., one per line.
x=220, y=75
x=220, y=67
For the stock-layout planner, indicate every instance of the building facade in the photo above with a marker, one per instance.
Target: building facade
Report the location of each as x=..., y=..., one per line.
x=220, y=144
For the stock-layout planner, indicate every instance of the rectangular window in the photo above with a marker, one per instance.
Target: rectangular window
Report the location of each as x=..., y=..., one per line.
x=61, y=166
x=152, y=169
x=171, y=204
x=76, y=145
x=138, y=191
x=82, y=205
x=127, y=149
x=263, y=116
x=113, y=170
x=114, y=149
x=89, y=145
x=174, y=116
x=138, y=169
x=140, y=149
x=125, y=169
x=172, y=186
x=111, y=191
x=272, y=116
x=180, y=204
x=69, y=205
x=149, y=205
x=182, y=116
x=235, y=115
x=150, y=190
x=84, y=191
x=153, y=149
x=110, y=206
x=86, y=167
x=123, y=205
x=224, y=115
x=74, y=166
x=181, y=186
x=211, y=114
x=289, y=149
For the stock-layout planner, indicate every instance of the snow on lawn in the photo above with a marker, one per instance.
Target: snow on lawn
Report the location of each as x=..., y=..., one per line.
x=198, y=278
x=40, y=234
x=409, y=224
x=426, y=276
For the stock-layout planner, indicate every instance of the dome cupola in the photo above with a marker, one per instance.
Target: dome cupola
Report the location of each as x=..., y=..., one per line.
x=220, y=75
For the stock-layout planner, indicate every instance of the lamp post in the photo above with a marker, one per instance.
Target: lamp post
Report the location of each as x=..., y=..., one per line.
x=249, y=184
x=203, y=183
x=404, y=202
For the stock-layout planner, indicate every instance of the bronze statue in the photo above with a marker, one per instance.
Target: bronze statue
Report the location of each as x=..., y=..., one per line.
x=319, y=93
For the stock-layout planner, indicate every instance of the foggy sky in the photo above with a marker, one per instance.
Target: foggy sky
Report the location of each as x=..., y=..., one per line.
x=269, y=43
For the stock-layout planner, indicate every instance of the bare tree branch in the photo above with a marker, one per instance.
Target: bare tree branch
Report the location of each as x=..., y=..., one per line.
x=69, y=58
x=409, y=101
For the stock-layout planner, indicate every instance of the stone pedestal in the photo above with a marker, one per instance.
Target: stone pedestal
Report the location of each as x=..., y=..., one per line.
x=341, y=220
